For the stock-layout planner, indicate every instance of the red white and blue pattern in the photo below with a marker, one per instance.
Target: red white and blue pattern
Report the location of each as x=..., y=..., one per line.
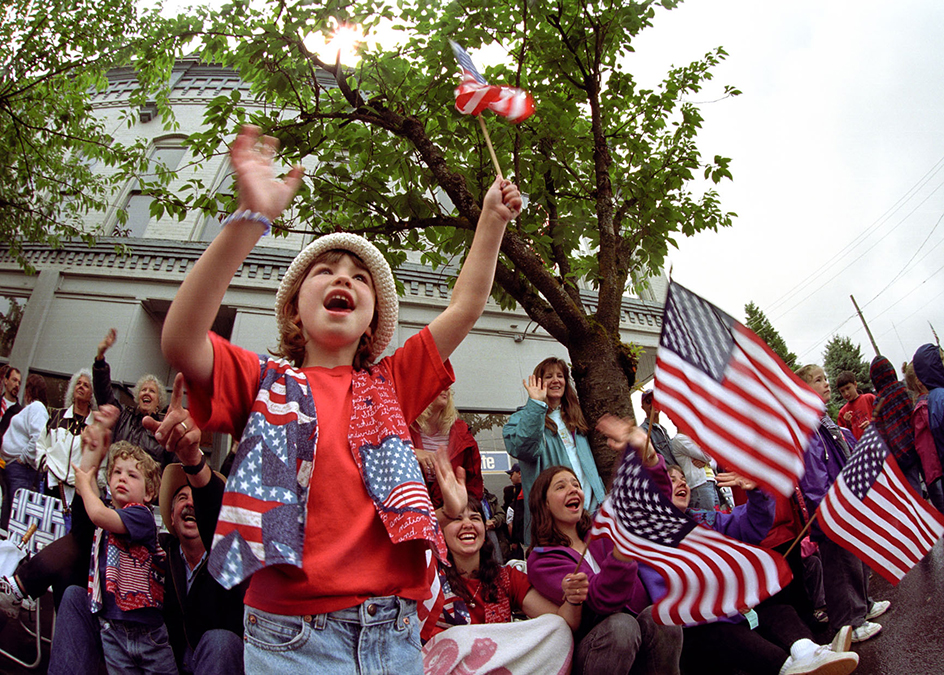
x=873, y=512
x=707, y=574
x=264, y=513
x=728, y=391
x=474, y=94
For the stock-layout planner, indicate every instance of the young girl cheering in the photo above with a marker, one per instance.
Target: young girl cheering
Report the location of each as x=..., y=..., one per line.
x=321, y=507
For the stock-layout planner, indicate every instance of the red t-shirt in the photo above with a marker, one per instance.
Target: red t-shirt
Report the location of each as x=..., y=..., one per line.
x=518, y=587
x=347, y=555
x=861, y=409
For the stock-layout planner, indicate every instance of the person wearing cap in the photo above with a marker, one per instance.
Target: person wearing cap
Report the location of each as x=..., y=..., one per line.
x=336, y=570
x=513, y=503
x=659, y=437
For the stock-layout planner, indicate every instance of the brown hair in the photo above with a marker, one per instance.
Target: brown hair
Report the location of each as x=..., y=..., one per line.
x=846, y=377
x=570, y=406
x=292, y=341
x=36, y=389
x=912, y=382
x=488, y=572
x=146, y=465
x=544, y=530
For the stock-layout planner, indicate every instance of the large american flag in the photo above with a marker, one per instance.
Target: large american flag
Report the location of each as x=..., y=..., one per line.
x=728, y=391
x=474, y=94
x=873, y=512
x=707, y=574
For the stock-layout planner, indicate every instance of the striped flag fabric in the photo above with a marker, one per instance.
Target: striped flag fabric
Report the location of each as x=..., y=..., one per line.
x=707, y=574
x=727, y=390
x=429, y=610
x=474, y=94
x=872, y=511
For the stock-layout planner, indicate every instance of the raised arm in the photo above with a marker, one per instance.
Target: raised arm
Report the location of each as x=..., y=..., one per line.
x=184, y=339
x=101, y=372
x=474, y=283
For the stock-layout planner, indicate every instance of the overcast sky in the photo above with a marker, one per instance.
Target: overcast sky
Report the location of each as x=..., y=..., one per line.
x=837, y=145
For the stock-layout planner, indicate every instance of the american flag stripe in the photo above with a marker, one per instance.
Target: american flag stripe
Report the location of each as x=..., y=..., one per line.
x=429, y=610
x=845, y=517
x=409, y=495
x=872, y=511
x=696, y=572
x=728, y=424
x=472, y=98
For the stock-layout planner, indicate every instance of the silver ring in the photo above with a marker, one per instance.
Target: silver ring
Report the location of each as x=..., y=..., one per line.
x=184, y=425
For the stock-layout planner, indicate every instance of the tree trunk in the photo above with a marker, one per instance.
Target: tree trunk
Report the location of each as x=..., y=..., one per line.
x=604, y=374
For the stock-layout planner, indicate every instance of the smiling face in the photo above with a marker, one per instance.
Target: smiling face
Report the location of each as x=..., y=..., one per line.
x=127, y=483
x=556, y=383
x=565, y=498
x=149, y=398
x=465, y=535
x=335, y=306
x=82, y=394
x=183, y=516
x=681, y=495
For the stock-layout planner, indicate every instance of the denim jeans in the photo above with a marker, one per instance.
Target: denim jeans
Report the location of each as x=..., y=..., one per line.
x=377, y=637
x=131, y=647
x=219, y=652
x=76, y=645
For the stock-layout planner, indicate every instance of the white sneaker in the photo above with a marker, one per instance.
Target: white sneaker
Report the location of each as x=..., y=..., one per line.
x=843, y=640
x=10, y=597
x=823, y=661
x=877, y=609
x=867, y=630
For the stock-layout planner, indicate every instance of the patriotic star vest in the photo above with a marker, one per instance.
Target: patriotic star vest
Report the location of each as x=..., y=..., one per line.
x=263, y=517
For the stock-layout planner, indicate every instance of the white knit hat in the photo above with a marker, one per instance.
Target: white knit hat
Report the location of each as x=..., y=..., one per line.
x=385, y=290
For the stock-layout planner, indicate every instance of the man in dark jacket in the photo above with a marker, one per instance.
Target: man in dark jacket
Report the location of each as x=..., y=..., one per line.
x=204, y=620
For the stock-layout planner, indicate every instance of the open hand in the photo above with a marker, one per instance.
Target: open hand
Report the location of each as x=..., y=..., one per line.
x=107, y=342
x=259, y=190
x=537, y=389
x=451, y=484
x=622, y=432
x=96, y=437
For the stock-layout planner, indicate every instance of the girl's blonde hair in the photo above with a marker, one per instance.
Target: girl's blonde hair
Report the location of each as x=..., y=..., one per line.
x=447, y=417
x=292, y=340
x=570, y=406
x=807, y=372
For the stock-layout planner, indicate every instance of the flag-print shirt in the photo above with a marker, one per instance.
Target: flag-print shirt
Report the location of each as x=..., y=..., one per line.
x=126, y=576
x=345, y=552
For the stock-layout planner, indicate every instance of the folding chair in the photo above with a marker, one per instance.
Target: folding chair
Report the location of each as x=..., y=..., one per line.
x=33, y=508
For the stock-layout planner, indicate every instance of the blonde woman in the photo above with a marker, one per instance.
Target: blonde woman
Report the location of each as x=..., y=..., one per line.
x=437, y=427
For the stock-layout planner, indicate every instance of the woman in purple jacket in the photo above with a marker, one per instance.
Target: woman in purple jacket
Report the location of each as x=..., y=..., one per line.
x=617, y=634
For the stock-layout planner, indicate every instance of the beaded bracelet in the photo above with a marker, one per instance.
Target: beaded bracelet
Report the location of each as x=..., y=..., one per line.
x=252, y=216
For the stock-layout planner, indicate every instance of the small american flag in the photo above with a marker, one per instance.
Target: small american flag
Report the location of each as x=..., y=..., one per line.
x=474, y=94
x=873, y=512
x=707, y=574
x=728, y=391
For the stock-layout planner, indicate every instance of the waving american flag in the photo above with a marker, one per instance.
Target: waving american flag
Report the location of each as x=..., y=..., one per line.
x=872, y=511
x=474, y=94
x=707, y=574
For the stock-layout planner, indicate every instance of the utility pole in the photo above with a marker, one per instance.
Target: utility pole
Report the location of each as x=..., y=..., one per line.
x=867, y=331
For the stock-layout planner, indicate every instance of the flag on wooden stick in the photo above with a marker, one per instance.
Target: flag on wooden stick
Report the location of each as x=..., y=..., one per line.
x=474, y=94
x=707, y=574
x=728, y=391
x=873, y=512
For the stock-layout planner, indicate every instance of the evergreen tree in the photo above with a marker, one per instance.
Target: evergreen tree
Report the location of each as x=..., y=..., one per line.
x=840, y=354
x=758, y=322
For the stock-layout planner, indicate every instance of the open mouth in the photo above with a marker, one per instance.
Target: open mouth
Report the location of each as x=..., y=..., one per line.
x=574, y=503
x=339, y=302
x=187, y=515
x=467, y=537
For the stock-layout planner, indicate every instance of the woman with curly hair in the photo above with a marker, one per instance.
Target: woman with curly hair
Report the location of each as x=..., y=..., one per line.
x=551, y=430
x=60, y=447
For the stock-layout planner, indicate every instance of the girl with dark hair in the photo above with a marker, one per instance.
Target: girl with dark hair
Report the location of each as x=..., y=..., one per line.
x=617, y=634
x=551, y=430
x=479, y=598
x=19, y=442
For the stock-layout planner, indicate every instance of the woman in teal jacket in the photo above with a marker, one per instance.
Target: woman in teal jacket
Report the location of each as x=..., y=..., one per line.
x=550, y=429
